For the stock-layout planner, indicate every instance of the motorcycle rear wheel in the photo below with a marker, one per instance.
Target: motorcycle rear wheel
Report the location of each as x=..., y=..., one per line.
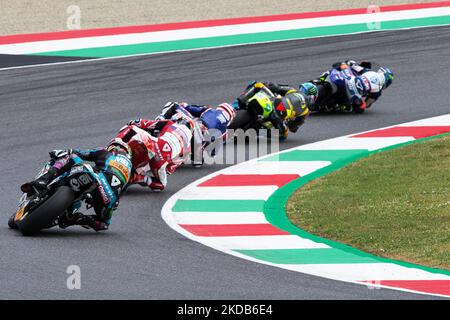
x=241, y=120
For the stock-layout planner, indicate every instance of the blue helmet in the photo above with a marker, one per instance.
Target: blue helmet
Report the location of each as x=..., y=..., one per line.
x=310, y=91
x=388, y=76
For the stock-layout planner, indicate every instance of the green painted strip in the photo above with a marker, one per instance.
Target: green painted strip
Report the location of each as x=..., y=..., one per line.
x=310, y=256
x=219, y=205
x=158, y=47
x=319, y=155
x=275, y=212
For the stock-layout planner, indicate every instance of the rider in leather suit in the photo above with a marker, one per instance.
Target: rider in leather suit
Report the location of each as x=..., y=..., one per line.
x=356, y=84
x=113, y=169
x=210, y=125
x=282, y=119
x=158, y=148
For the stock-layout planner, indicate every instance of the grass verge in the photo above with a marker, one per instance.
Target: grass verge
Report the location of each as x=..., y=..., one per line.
x=395, y=204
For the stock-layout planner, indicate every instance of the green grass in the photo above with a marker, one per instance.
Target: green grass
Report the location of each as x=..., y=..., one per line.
x=395, y=204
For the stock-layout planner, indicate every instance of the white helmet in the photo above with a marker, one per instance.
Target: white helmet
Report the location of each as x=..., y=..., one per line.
x=373, y=81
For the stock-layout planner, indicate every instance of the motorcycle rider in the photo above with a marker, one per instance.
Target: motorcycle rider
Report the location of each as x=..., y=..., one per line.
x=113, y=170
x=291, y=106
x=378, y=80
x=356, y=85
x=210, y=125
x=158, y=148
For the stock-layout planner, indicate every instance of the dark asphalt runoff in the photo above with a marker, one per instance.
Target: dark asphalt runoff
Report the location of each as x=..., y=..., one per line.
x=82, y=105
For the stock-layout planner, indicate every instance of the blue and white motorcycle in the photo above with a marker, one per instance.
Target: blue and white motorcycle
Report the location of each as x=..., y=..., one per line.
x=343, y=90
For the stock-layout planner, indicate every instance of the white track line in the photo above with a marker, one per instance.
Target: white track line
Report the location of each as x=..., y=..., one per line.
x=188, y=217
x=265, y=242
x=232, y=193
x=219, y=31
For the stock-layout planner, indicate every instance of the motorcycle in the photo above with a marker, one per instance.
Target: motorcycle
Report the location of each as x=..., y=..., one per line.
x=338, y=102
x=59, y=203
x=257, y=112
x=327, y=102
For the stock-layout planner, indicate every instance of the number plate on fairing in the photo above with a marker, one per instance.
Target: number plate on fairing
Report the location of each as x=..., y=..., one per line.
x=82, y=180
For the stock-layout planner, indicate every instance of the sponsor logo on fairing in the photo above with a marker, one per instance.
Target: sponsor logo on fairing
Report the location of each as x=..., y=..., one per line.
x=106, y=192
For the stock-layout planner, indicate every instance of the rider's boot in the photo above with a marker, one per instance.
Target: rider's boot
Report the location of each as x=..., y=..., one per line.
x=40, y=183
x=146, y=181
x=69, y=219
x=86, y=221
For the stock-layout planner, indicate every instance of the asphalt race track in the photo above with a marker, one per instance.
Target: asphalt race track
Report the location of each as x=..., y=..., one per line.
x=140, y=257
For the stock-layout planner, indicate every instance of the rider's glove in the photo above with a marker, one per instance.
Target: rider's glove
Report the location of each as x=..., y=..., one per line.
x=56, y=154
x=131, y=122
x=168, y=110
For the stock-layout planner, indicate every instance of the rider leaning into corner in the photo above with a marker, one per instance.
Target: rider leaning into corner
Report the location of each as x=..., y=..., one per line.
x=291, y=106
x=160, y=146
x=356, y=83
x=158, y=149
x=210, y=125
x=113, y=170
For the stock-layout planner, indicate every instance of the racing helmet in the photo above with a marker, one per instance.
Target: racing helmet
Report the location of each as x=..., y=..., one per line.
x=228, y=111
x=291, y=105
x=311, y=92
x=117, y=145
x=388, y=76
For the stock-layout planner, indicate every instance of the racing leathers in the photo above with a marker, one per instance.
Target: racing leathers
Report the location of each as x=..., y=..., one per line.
x=112, y=171
x=158, y=148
